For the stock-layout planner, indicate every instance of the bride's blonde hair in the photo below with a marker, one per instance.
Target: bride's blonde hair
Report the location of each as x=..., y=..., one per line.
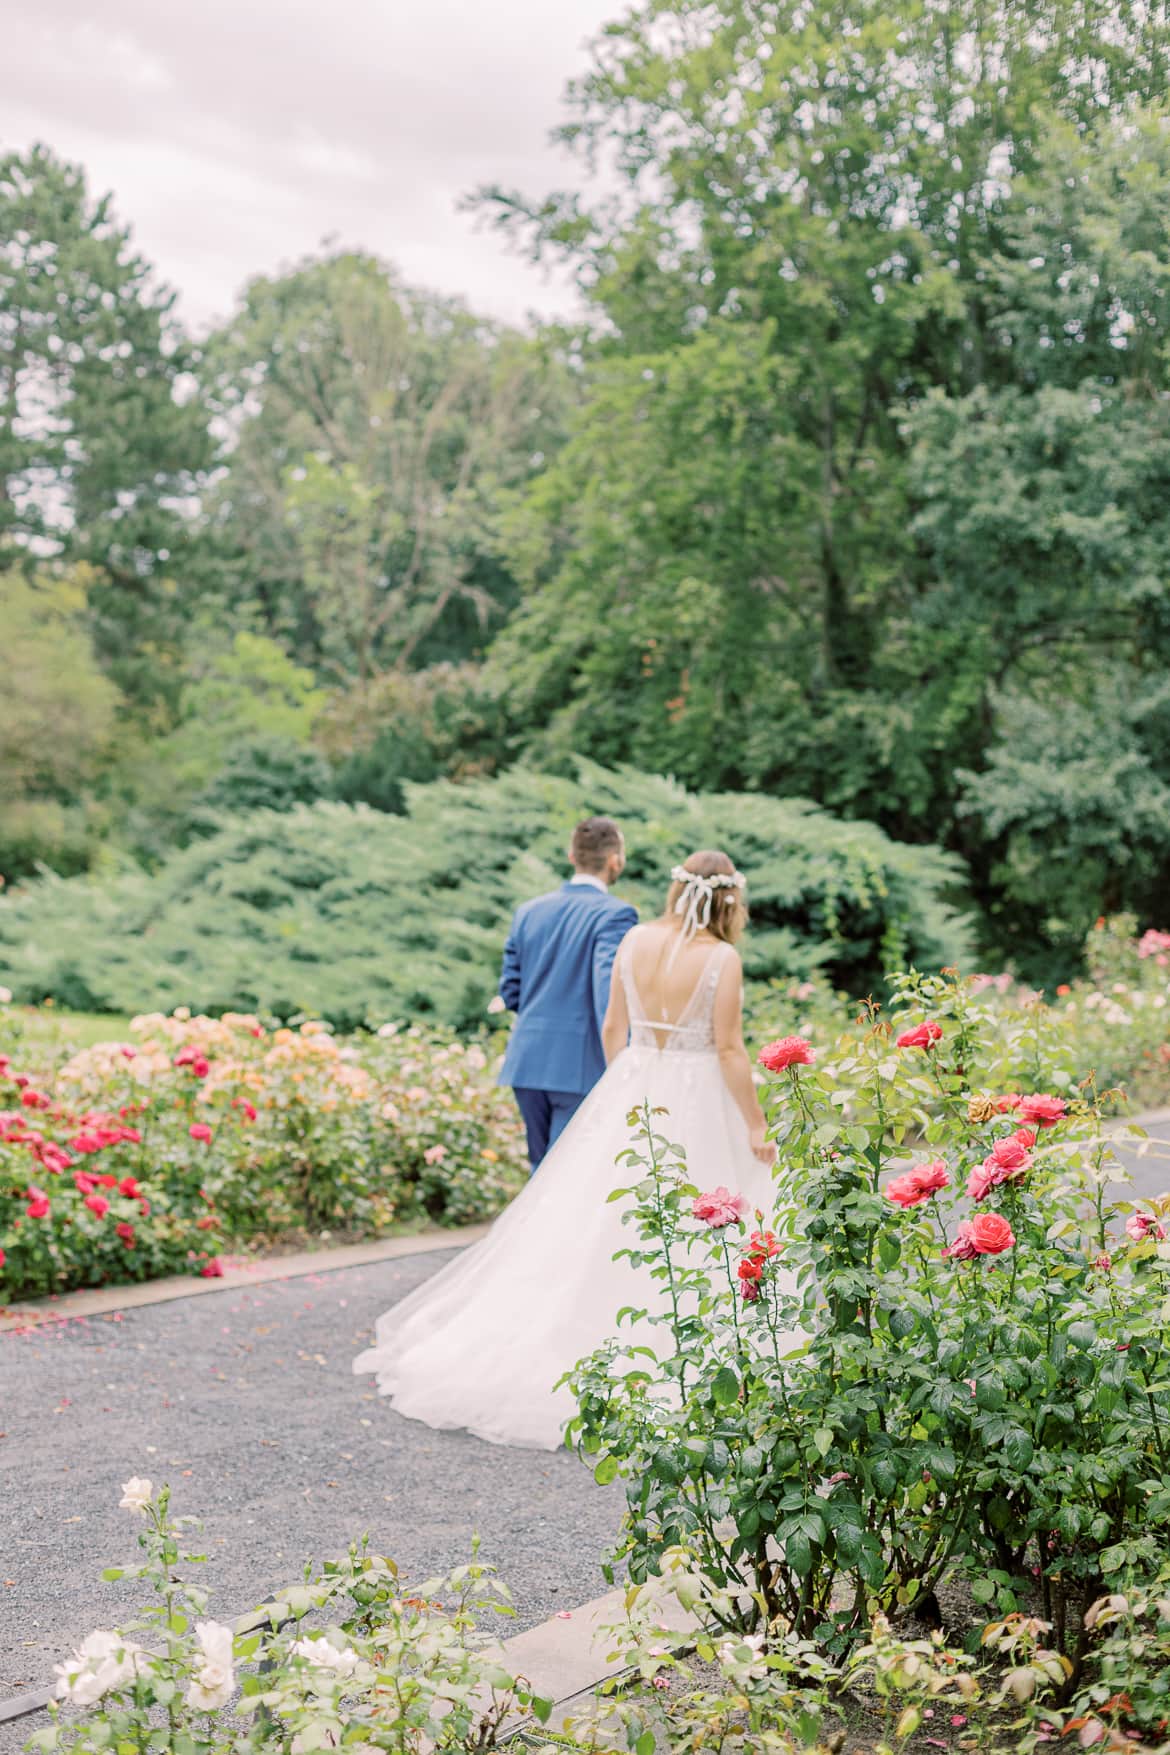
x=729, y=912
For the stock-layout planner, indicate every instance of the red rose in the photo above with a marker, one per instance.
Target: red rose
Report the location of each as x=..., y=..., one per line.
x=1044, y=1111
x=199, y=1130
x=207, y=1223
x=97, y=1204
x=922, y=1036
x=764, y=1244
x=126, y=1232
x=750, y=1268
x=107, y=1181
x=213, y=1269
x=200, y=1067
x=55, y=1159
x=34, y=1099
x=1005, y=1105
x=3, y=1258
x=787, y=1051
x=86, y=1142
x=38, y=1206
x=991, y=1234
x=129, y=1187
x=1063, y=990
x=143, y=1205
x=918, y=1184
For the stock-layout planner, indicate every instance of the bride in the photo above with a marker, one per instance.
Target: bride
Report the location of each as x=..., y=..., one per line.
x=482, y=1344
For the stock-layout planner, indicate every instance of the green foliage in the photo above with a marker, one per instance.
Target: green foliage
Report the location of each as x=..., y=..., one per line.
x=372, y=432
x=357, y=916
x=98, y=447
x=57, y=721
x=874, y=436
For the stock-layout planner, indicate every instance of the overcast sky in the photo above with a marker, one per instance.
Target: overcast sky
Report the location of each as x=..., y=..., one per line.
x=237, y=134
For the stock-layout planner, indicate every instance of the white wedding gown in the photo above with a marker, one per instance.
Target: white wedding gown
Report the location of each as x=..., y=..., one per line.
x=482, y=1345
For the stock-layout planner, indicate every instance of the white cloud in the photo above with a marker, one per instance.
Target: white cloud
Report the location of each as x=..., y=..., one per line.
x=236, y=137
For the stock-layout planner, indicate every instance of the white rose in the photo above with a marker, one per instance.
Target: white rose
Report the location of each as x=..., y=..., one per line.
x=101, y=1662
x=136, y=1494
x=496, y=1005
x=324, y=1656
x=214, y=1682
x=5, y=996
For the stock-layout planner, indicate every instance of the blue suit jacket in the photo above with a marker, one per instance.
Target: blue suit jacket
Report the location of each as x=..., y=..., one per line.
x=557, y=966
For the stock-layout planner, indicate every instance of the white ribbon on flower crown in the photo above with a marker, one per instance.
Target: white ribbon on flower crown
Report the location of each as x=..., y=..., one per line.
x=698, y=894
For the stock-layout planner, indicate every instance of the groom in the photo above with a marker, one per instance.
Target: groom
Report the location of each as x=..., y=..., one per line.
x=557, y=966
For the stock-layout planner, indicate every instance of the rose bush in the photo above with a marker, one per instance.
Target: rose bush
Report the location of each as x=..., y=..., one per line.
x=148, y=1156
x=956, y=1368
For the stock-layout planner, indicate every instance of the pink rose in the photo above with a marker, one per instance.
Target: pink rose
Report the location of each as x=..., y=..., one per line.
x=38, y=1206
x=199, y=1130
x=720, y=1208
x=983, y=1179
x=787, y=1051
x=1103, y=1264
x=213, y=1269
x=922, y=1036
x=435, y=1154
x=1006, y=1104
x=985, y=1234
x=97, y=1204
x=1138, y=1227
x=1044, y=1111
x=1011, y=1155
x=200, y=1066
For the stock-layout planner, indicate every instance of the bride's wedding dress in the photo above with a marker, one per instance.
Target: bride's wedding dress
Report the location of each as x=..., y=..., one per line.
x=482, y=1344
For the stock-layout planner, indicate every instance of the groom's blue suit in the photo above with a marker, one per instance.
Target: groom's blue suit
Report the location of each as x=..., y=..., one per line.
x=557, y=966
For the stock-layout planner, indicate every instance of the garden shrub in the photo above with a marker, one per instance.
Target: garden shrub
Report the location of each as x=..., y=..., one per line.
x=955, y=1368
x=356, y=916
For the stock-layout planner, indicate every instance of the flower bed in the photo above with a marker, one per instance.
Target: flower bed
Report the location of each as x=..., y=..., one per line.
x=150, y=1155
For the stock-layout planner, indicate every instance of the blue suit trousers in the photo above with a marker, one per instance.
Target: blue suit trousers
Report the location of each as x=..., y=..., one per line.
x=545, y=1115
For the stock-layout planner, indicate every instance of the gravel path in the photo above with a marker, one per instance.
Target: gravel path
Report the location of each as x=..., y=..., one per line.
x=246, y=1404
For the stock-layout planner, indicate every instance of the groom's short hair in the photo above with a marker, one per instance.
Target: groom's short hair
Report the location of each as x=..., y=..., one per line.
x=593, y=842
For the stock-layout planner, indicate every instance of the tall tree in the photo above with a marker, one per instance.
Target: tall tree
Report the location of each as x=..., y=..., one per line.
x=372, y=431
x=810, y=236
x=100, y=448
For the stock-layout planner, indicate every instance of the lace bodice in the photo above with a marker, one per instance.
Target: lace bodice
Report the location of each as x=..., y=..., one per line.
x=693, y=1030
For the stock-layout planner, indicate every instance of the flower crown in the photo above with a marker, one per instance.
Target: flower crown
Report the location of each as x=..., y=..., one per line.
x=698, y=894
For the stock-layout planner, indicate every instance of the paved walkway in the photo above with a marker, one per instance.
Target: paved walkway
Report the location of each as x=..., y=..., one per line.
x=246, y=1404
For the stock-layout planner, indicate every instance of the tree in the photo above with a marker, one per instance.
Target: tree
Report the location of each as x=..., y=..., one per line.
x=373, y=431
x=57, y=722
x=99, y=449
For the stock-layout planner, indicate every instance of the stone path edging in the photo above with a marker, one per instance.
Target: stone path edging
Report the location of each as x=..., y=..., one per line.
x=104, y=1300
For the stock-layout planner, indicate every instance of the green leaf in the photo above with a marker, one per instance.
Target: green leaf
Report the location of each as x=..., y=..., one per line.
x=1018, y=1447
x=983, y=1590
x=606, y=1471
x=823, y=1439
x=725, y=1387
x=645, y=1744
x=902, y=1323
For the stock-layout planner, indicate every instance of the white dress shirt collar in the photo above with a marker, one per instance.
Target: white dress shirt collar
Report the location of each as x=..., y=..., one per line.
x=587, y=877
